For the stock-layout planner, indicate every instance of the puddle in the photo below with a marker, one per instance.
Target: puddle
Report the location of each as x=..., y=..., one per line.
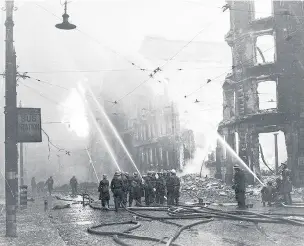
x=84, y=222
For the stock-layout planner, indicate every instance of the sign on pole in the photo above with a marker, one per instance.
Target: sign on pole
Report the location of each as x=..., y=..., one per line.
x=29, y=125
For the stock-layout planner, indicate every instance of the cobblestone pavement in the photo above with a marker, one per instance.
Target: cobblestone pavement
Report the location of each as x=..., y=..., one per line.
x=69, y=227
x=33, y=227
x=72, y=225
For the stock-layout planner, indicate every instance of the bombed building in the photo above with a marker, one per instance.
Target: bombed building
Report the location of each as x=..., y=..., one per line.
x=278, y=67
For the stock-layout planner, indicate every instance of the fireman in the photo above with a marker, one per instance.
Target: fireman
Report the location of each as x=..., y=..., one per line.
x=117, y=189
x=287, y=185
x=176, y=188
x=239, y=186
x=160, y=189
x=104, y=192
x=135, y=190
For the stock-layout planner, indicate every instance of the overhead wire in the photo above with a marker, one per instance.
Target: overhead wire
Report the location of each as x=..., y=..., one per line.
x=84, y=71
x=159, y=69
x=56, y=85
x=246, y=60
x=150, y=75
x=242, y=10
x=96, y=40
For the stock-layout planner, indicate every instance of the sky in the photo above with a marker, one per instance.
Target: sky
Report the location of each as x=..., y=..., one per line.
x=109, y=37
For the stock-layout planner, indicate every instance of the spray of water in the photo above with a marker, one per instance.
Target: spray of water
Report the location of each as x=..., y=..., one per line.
x=116, y=134
x=232, y=152
x=92, y=164
x=102, y=135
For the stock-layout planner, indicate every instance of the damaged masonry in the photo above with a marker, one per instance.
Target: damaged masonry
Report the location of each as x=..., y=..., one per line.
x=245, y=115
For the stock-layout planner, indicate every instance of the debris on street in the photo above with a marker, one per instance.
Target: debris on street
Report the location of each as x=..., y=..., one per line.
x=212, y=190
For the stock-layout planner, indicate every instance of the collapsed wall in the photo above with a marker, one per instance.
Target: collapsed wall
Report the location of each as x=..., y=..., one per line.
x=245, y=115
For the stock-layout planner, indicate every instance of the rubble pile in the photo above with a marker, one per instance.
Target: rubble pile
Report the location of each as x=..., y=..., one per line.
x=211, y=190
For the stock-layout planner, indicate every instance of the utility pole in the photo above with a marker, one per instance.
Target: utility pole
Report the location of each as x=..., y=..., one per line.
x=10, y=111
x=276, y=153
x=173, y=133
x=21, y=159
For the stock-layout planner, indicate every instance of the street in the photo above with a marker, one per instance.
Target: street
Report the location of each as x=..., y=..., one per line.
x=159, y=106
x=72, y=226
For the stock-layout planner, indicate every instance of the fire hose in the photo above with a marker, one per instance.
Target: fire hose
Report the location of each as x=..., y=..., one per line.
x=227, y=215
x=177, y=234
x=196, y=211
x=92, y=230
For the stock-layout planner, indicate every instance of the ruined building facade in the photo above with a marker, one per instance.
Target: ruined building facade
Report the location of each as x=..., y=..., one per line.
x=157, y=136
x=244, y=118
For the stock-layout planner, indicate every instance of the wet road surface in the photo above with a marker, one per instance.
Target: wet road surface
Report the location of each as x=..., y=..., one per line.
x=72, y=226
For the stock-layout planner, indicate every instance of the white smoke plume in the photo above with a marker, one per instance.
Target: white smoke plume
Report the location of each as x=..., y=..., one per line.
x=195, y=165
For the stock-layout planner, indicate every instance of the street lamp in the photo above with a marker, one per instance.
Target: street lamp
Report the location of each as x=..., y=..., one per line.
x=65, y=25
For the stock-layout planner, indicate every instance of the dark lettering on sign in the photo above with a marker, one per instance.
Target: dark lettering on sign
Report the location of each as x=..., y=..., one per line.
x=28, y=118
x=29, y=127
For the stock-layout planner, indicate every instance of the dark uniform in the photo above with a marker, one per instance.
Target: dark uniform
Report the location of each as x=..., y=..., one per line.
x=160, y=189
x=135, y=190
x=267, y=194
x=104, y=192
x=148, y=189
x=287, y=185
x=170, y=190
x=153, y=184
x=176, y=187
x=74, y=183
x=50, y=184
x=239, y=187
x=117, y=189
x=34, y=186
x=125, y=187
x=40, y=187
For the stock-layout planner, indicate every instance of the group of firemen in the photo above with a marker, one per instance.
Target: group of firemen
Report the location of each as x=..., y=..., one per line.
x=155, y=187
x=278, y=193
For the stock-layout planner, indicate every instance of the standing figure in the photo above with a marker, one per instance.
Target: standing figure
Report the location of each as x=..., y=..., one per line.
x=104, y=191
x=147, y=189
x=34, y=186
x=160, y=189
x=239, y=186
x=135, y=190
x=176, y=187
x=287, y=185
x=125, y=187
x=153, y=187
x=40, y=187
x=170, y=189
x=278, y=191
x=50, y=184
x=267, y=194
x=117, y=189
x=74, y=184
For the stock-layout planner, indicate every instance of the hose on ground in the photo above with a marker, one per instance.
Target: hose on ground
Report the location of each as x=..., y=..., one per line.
x=177, y=234
x=92, y=230
x=161, y=217
x=227, y=215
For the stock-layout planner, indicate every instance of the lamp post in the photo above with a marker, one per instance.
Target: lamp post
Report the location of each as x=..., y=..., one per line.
x=65, y=25
x=10, y=112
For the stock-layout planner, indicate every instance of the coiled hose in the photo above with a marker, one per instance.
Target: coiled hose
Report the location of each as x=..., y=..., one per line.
x=196, y=211
x=92, y=230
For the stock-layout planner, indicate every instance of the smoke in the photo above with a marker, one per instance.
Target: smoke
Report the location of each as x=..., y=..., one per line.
x=195, y=165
